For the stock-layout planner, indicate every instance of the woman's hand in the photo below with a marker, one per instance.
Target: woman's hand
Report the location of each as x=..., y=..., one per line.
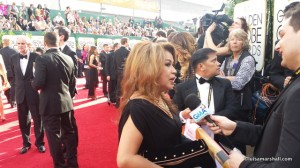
x=186, y=113
x=222, y=74
x=211, y=28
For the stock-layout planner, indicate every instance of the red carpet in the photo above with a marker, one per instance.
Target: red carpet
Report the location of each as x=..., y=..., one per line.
x=98, y=137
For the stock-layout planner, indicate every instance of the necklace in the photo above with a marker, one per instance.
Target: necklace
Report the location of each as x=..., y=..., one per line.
x=164, y=107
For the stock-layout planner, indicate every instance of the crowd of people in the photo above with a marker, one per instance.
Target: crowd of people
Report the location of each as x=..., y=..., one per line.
x=149, y=84
x=38, y=19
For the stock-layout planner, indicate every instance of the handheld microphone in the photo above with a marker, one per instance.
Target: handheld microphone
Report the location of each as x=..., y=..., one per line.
x=198, y=111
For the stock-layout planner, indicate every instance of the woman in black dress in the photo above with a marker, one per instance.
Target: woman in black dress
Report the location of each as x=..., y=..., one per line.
x=148, y=123
x=93, y=72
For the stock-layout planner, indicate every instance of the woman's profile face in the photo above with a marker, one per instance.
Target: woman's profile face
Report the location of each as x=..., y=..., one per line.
x=236, y=44
x=168, y=77
x=237, y=24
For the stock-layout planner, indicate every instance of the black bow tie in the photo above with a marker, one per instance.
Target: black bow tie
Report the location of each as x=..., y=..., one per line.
x=23, y=56
x=202, y=80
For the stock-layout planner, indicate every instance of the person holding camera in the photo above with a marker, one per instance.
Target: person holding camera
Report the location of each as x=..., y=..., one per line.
x=277, y=141
x=239, y=23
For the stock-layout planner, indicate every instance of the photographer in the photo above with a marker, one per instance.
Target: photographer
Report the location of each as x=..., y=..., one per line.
x=222, y=51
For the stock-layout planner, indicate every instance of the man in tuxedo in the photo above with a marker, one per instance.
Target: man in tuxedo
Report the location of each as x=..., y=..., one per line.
x=26, y=97
x=111, y=73
x=55, y=78
x=64, y=34
x=277, y=141
x=7, y=53
x=102, y=58
x=214, y=92
x=120, y=57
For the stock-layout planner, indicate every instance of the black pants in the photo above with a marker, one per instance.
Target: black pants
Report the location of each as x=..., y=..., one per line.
x=87, y=78
x=24, y=123
x=80, y=70
x=118, y=88
x=56, y=127
x=112, y=85
x=104, y=84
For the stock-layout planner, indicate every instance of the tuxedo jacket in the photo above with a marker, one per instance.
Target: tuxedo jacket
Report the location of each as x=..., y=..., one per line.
x=68, y=51
x=280, y=135
x=224, y=103
x=22, y=82
x=110, y=66
x=103, y=57
x=120, y=57
x=55, y=78
x=7, y=53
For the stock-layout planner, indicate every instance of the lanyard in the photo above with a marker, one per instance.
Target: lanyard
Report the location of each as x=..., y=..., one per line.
x=209, y=95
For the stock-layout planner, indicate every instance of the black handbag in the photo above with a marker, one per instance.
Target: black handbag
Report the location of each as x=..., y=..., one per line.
x=190, y=154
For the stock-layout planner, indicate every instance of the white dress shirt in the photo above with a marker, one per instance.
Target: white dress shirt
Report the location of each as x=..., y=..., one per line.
x=24, y=63
x=203, y=90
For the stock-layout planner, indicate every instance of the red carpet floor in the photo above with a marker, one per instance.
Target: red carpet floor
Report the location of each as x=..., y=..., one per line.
x=98, y=137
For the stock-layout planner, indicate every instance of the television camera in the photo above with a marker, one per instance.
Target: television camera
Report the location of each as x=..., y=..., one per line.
x=221, y=32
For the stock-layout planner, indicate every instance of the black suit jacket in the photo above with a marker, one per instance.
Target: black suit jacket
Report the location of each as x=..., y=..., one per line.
x=120, y=57
x=54, y=76
x=277, y=72
x=22, y=82
x=7, y=53
x=102, y=58
x=110, y=68
x=68, y=51
x=222, y=91
x=280, y=136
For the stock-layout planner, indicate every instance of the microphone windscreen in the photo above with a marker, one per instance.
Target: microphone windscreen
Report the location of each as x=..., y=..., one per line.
x=192, y=101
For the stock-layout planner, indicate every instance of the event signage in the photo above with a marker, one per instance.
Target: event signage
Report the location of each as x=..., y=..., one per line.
x=254, y=12
x=279, y=6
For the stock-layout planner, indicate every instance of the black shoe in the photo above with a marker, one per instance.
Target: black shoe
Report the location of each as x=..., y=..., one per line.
x=13, y=104
x=42, y=149
x=24, y=149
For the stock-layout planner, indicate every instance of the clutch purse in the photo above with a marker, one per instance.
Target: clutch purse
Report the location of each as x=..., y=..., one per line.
x=190, y=154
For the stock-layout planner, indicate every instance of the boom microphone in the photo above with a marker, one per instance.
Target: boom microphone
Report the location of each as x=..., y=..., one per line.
x=199, y=111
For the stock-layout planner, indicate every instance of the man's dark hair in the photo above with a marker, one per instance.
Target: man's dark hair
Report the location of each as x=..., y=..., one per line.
x=104, y=45
x=170, y=31
x=39, y=49
x=115, y=45
x=290, y=6
x=62, y=30
x=293, y=12
x=51, y=39
x=200, y=56
x=161, y=34
x=124, y=40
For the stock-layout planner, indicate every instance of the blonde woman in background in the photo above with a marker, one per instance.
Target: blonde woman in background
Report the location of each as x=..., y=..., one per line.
x=3, y=83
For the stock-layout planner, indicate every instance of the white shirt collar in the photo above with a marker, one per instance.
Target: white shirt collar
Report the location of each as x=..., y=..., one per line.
x=63, y=46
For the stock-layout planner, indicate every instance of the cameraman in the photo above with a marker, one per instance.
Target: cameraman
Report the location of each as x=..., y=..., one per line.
x=239, y=23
